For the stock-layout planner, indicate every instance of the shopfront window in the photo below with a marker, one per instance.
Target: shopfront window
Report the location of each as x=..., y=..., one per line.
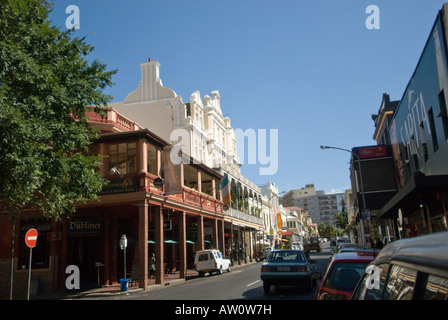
x=152, y=159
x=123, y=157
x=41, y=252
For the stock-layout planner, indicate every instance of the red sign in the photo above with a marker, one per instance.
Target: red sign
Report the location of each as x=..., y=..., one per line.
x=372, y=152
x=31, y=238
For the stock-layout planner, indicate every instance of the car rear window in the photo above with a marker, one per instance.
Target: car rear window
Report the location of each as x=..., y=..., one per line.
x=286, y=256
x=344, y=276
x=203, y=257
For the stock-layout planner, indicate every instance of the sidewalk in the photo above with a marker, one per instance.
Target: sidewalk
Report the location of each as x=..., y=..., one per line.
x=132, y=286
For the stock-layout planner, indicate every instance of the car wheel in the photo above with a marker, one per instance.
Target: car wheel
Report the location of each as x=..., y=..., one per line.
x=228, y=270
x=220, y=270
x=201, y=273
x=266, y=287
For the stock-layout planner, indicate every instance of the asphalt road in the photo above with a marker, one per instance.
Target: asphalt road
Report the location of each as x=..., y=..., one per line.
x=242, y=283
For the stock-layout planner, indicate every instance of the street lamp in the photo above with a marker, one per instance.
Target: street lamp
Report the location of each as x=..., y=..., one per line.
x=360, y=178
x=123, y=245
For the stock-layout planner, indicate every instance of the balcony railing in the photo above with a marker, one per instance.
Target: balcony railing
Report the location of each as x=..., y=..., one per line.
x=244, y=216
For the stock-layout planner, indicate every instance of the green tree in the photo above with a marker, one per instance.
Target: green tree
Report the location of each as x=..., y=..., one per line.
x=46, y=83
x=342, y=220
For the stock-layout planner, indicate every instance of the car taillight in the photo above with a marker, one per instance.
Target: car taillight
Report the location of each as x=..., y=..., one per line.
x=300, y=269
x=265, y=268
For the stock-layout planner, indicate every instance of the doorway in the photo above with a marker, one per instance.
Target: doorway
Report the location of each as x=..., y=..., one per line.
x=83, y=252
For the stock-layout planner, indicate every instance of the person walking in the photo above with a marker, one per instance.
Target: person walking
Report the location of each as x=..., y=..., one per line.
x=152, y=266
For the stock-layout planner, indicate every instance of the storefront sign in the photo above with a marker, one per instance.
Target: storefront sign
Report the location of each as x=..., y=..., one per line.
x=84, y=225
x=54, y=236
x=125, y=185
x=372, y=152
x=420, y=120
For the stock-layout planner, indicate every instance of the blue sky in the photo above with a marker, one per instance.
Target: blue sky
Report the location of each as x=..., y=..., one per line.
x=309, y=68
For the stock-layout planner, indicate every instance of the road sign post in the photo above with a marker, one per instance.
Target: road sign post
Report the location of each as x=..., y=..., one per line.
x=30, y=241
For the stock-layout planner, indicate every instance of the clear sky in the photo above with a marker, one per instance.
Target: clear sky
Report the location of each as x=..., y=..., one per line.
x=309, y=68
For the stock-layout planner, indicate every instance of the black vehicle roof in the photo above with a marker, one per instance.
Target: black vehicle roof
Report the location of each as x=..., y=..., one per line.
x=424, y=252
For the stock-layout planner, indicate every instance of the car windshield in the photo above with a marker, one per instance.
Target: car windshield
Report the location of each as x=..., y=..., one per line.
x=286, y=256
x=344, y=276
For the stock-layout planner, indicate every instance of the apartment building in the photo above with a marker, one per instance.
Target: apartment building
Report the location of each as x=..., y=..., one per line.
x=321, y=207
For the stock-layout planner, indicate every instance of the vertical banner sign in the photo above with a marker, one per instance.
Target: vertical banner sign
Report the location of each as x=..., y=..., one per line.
x=30, y=241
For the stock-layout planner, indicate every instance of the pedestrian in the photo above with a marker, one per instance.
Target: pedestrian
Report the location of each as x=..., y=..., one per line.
x=152, y=266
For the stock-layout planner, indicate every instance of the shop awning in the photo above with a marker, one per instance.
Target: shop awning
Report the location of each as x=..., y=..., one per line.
x=170, y=241
x=418, y=187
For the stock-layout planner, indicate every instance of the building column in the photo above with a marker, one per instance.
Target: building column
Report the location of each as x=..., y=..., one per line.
x=200, y=233
x=182, y=245
x=222, y=237
x=215, y=234
x=107, y=250
x=158, y=229
x=143, y=230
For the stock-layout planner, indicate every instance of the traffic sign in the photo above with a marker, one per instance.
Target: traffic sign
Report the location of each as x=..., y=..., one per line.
x=31, y=238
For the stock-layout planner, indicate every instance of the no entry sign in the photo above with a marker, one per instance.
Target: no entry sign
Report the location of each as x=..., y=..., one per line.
x=31, y=238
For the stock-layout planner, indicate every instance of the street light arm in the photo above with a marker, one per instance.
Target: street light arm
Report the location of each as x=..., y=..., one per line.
x=360, y=178
x=337, y=148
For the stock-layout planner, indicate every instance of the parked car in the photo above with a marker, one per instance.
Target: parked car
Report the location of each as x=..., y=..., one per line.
x=297, y=245
x=342, y=275
x=288, y=267
x=408, y=269
x=350, y=247
x=265, y=252
x=210, y=261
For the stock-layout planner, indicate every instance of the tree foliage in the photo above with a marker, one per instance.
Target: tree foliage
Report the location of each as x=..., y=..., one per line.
x=46, y=83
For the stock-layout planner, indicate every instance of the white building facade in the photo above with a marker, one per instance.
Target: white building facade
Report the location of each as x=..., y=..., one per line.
x=199, y=128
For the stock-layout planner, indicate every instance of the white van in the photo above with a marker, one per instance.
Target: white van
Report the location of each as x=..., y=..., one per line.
x=210, y=261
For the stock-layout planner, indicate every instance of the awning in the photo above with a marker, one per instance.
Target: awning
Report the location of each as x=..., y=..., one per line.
x=418, y=187
x=166, y=241
x=39, y=225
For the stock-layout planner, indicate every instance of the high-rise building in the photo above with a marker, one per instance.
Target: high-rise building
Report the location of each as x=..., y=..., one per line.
x=321, y=207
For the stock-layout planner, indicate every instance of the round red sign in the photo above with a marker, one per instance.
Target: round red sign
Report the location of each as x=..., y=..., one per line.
x=31, y=238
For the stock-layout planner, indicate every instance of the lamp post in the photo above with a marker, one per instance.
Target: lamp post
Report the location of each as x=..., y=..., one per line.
x=159, y=183
x=123, y=245
x=362, y=186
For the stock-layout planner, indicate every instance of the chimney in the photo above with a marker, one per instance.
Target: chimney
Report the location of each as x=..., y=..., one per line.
x=150, y=78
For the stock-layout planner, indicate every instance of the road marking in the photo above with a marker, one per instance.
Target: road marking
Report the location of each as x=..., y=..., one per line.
x=248, y=285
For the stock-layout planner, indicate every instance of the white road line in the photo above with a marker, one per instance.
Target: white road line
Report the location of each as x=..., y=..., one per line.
x=248, y=285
